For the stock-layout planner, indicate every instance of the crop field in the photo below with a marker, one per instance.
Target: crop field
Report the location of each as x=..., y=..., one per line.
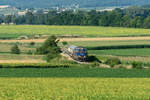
x=6, y=47
x=14, y=31
x=74, y=84
x=74, y=88
x=122, y=52
x=27, y=76
x=109, y=43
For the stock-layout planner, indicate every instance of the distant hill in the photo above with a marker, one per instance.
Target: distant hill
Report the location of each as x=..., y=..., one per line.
x=83, y=3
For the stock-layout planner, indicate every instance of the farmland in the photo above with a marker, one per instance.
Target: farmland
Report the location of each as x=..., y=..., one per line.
x=122, y=52
x=27, y=76
x=78, y=83
x=74, y=88
x=14, y=31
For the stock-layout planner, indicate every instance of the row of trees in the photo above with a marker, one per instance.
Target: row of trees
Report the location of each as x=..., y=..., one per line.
x=131, y=17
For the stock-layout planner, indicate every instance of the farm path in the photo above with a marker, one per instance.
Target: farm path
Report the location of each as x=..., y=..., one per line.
x=83, y=39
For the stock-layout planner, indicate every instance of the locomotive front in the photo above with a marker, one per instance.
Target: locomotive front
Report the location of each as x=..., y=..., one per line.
x=78, y=53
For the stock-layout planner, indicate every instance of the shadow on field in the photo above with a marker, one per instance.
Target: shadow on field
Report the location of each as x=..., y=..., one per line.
x=73, y=72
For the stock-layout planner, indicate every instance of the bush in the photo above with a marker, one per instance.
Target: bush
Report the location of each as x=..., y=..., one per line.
x=15, y=49
x=32, y=43
x=30, y=52
x=33, y=65
x=137, y=65
x=113, y=61
x=95, y=64
x=93, y=59
x=64, y=43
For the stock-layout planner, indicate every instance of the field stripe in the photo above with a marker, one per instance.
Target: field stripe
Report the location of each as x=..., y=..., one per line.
x=84, y=39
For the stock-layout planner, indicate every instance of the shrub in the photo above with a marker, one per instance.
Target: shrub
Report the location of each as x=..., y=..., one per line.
x=113, y=61
x=95, y=64
x=137, y=65
x=93, y=59
x=33, y=65
x=32, y=43
x=30, y=52
x=15, y=49
x=64, y=43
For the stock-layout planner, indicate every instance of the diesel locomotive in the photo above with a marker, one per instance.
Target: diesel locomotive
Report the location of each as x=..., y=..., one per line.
x=78, y=53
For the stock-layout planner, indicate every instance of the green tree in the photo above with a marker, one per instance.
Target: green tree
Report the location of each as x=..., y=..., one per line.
x=29, y=18
x=50, y=48
x=147, y=22
x=15, y=49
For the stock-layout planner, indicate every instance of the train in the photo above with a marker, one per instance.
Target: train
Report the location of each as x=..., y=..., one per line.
x=78, y=53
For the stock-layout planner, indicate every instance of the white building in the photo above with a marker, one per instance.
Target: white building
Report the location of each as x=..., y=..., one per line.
x=4, y=6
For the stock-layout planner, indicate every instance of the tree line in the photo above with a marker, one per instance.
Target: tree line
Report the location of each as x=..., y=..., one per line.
x=136, y=17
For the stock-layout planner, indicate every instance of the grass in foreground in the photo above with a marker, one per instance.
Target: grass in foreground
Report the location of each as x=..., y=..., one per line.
x=74, y=84
x=8, y=31
x=74, y=89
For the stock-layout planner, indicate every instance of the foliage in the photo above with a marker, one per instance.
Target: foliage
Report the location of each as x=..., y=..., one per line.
x=49, y=45
x=50, y=48
x=52, y=53
x=137, y=65
x=129, y=17
x=15, y=49
x=92, y=58
x=30, y=52
x=32, y=43
x=113, y=61
x=95, y=64
x=65, y=43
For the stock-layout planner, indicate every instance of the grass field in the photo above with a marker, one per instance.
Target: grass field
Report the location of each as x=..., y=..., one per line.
x=122, y=52
x=13, y=31
x=109, y=43
x=74, y=84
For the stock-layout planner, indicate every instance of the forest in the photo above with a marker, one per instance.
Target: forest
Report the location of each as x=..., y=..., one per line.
x=136, y=17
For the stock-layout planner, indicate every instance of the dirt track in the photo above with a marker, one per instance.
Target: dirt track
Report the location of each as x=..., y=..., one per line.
x=84, y=39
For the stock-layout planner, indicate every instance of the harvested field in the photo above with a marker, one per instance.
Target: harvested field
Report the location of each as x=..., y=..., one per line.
x=22, y=61
x=13, y=58
x=83, y=39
